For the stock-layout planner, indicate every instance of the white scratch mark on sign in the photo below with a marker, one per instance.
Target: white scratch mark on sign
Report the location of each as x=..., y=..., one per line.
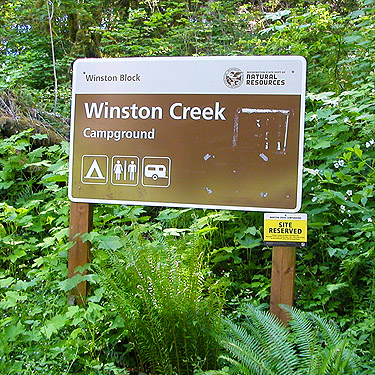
x=209, y=191
x=263, y=156
x=207, y=156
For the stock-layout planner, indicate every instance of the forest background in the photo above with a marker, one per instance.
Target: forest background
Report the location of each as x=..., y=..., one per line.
x=217, y=258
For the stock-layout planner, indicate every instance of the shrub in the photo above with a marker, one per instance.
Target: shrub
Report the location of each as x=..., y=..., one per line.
x=158, y=285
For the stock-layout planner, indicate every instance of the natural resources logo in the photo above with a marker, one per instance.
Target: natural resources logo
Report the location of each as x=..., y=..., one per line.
x=233, y=78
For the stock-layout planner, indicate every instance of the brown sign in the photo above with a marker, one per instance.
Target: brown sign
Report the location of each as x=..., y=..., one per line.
x=190, y=150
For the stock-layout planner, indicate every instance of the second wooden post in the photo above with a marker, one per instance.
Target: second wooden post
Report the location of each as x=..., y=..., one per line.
x=282, y=280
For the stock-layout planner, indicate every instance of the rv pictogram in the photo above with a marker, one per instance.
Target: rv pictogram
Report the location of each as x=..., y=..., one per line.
x=156, y=171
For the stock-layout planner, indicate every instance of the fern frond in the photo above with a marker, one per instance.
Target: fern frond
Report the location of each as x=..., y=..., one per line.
x=245, y=348
x=239, y=368
x=304, y=336
x=327, y=359
x=247, y=358
x=329, y=330
x=274, y=338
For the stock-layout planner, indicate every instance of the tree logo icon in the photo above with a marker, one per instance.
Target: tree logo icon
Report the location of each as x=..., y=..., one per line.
x=233, y=78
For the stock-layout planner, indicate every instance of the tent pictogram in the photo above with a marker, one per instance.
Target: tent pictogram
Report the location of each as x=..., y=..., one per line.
x=94, y=169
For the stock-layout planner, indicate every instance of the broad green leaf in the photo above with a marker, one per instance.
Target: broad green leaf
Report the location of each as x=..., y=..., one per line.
x=17, y=254
x=70, y=283
x=12, y=298
x=174, y=231
x=206, y=230
x=110, y=242
x=39, y=136
x=12, y=332
x=54, y=325
x=24, y=285
x=332, y=287
x=7, y=282
x=322, y=143
x=332, y=251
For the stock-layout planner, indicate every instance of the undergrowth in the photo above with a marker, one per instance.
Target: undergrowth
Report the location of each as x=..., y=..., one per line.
x=158, y=273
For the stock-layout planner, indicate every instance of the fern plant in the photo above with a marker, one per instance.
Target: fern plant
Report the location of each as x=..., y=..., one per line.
x=160, y=289
x=310, y=345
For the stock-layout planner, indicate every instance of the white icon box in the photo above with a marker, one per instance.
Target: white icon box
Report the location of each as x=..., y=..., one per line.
x=125, y=170
x=94, y=169
x=156, y=171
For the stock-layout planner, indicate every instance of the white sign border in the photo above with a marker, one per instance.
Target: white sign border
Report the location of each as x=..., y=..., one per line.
x=192, y=205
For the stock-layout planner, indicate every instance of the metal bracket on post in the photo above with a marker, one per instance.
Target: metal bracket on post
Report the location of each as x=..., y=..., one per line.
x=81, y=221
x=282, y=280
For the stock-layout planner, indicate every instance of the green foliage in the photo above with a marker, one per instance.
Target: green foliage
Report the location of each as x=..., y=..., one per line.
x=338, y=196
x=335, y=273
x=170, y=308
x=40, y=332
x=263, y=345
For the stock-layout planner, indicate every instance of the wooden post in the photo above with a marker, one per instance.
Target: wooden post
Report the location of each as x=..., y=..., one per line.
x=81, y=220
x=282, y=280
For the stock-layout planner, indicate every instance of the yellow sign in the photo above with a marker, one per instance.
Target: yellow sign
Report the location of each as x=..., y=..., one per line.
x=288, y=228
